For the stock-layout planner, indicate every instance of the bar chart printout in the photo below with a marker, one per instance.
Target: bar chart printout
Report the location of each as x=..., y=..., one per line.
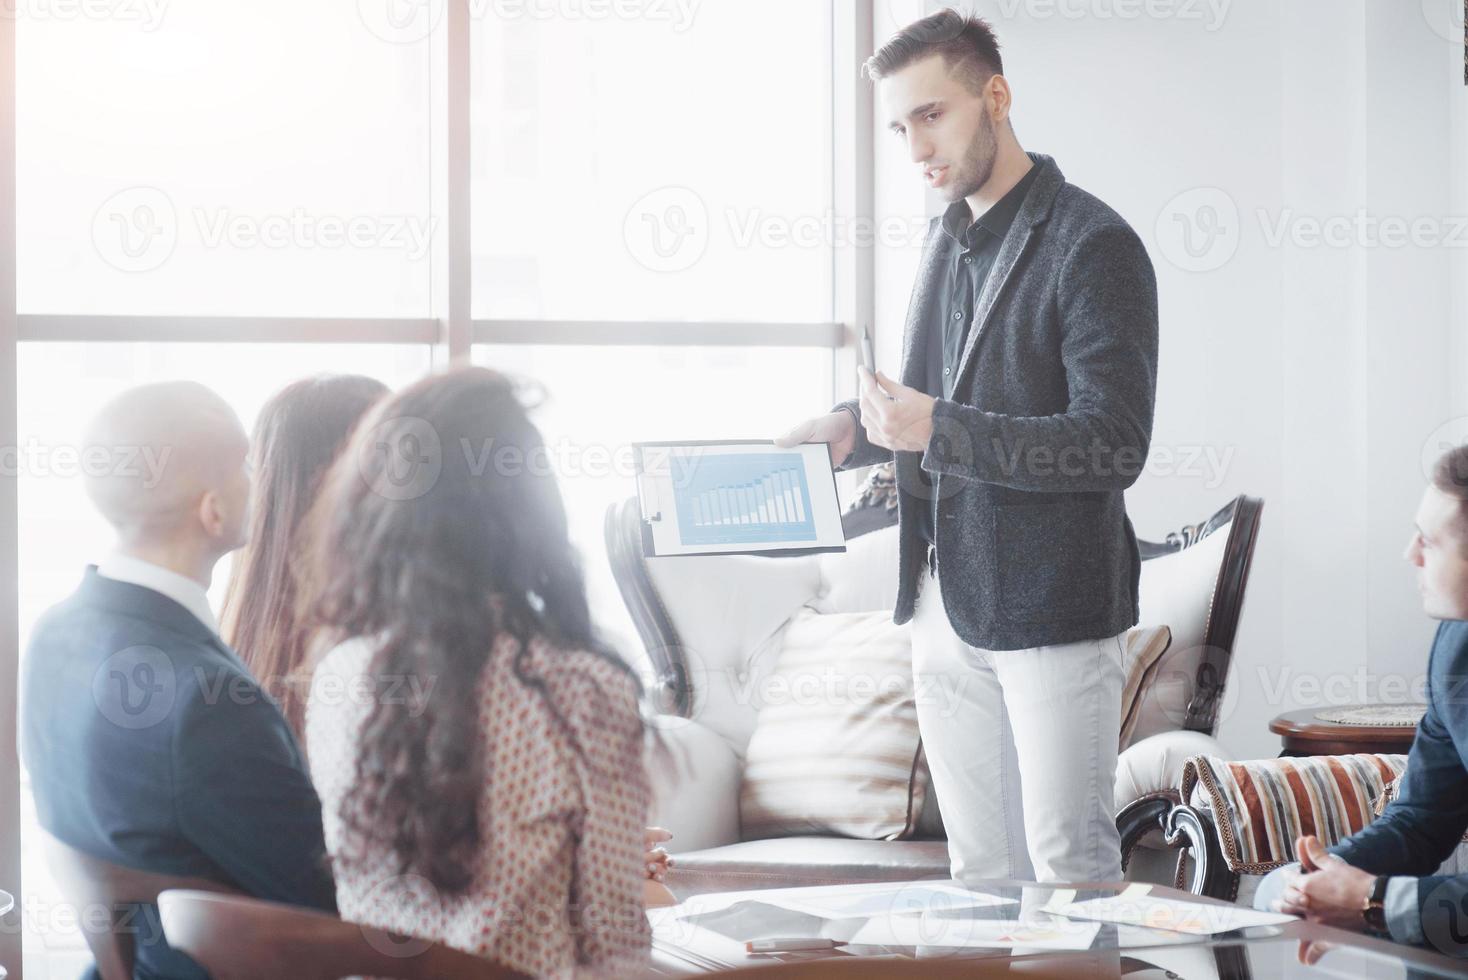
x=741, y=498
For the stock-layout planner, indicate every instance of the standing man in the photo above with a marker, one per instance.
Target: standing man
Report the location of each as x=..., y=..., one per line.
x=1029, y=372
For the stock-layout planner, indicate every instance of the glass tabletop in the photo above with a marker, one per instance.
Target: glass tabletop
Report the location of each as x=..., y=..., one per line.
x=941, y=919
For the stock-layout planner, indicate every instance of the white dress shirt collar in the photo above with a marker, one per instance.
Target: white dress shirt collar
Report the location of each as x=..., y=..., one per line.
x=180, y=588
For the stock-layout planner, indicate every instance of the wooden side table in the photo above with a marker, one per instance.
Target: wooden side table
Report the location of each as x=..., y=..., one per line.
x=1369, y=728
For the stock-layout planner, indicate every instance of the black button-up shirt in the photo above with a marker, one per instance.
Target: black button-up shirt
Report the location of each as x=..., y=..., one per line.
x=971, y=248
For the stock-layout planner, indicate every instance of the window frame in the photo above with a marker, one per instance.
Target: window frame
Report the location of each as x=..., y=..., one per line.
x=450, y=330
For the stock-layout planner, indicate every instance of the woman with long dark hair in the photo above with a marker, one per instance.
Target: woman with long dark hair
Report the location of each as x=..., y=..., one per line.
x=477, y=748
x=298, y=435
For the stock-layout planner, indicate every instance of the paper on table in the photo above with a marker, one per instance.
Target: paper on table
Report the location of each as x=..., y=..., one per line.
x=909, y=897
x=928, y=930
x=848, y=901
x=1194, y=918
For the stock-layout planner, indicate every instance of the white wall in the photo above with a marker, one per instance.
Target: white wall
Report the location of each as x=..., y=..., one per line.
x=1309, y=374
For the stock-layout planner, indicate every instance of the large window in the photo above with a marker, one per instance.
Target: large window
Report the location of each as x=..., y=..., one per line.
x=655, y=167
x=208, y=158
x=642, y=207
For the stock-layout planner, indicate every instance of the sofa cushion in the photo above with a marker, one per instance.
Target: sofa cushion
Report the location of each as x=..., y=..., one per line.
x=1177, y=590
x=727, y=611
x=791, y=861
x=1259, y=808
x=863, y=578
x=835, y=745
x=1145, y=648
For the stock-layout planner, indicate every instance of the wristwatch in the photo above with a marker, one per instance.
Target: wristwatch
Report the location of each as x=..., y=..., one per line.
x=1374, y=911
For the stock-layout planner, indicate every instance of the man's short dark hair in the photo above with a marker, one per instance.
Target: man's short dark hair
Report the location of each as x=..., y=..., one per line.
x=968, y=46
x=1450, y=476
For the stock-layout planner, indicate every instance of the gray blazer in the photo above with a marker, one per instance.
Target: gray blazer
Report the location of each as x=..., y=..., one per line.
x=1050, y=421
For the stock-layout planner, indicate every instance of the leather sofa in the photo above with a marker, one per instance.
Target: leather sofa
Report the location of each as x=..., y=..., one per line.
x=711, y=624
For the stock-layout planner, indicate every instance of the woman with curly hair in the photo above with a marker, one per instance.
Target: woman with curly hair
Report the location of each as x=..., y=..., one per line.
x=477, y=748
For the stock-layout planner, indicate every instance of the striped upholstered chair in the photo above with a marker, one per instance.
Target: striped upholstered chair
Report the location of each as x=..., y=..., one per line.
x=1238, y=821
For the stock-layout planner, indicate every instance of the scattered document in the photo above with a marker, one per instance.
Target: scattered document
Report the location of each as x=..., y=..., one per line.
x=1194, y=918
x=845, y=902
x=953, y=932
x=851, y=901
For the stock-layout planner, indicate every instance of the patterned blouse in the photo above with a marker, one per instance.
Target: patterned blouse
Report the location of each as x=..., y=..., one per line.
x=556, y=890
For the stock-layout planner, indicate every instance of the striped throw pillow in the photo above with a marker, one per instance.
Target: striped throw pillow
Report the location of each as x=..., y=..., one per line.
x=835, y=745
x=1260, y=808
x=1145, y=646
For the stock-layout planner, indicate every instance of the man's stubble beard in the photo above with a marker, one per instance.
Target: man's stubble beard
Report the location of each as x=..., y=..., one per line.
x=978, y=162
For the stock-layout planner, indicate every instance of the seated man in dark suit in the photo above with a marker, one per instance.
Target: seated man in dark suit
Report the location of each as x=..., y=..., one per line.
x=1382, y=878
x=149, y=744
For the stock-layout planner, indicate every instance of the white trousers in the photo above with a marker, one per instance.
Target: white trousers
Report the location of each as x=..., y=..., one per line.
x=1022, y=746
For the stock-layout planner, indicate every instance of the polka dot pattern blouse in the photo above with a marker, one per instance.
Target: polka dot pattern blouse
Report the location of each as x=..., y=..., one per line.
x=556, y=888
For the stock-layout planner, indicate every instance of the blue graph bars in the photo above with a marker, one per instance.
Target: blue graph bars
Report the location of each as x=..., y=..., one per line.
x=742, y=498
x=774, y=499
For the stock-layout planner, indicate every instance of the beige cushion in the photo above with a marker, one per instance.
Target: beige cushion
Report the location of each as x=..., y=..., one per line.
x=836, y=739
x=727, y=611
x=863, y=578
x=1177, y=590
x=1145, y=646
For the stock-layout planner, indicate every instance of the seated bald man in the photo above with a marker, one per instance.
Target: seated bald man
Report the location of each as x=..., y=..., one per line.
x=149, y=744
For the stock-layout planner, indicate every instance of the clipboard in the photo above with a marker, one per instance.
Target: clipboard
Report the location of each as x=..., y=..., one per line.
x=736, y=497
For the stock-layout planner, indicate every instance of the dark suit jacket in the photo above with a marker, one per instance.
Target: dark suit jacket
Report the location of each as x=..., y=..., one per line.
x=150, y=745
x=1424, y=824
x=1050, y=420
